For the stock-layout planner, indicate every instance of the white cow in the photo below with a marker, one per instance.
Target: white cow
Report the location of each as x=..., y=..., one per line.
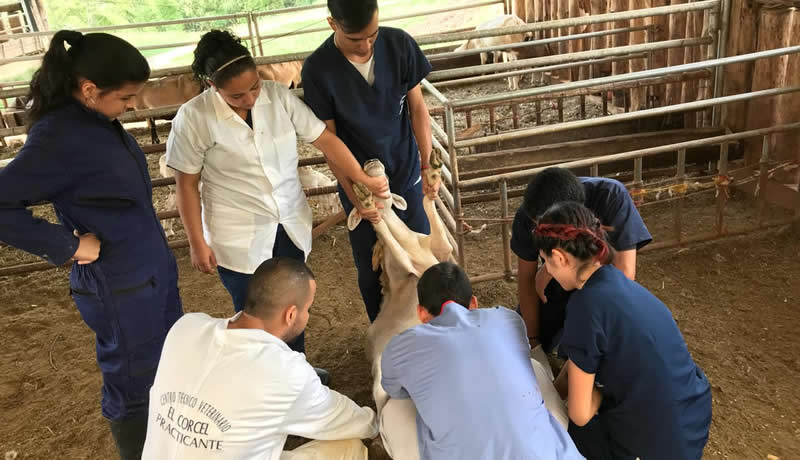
x=309, y=178
x=506, y=20
x=403, y=255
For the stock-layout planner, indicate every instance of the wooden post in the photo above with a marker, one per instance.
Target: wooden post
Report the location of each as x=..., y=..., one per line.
x=492, y=119
x=561, y=110
x=738, y=78
x=767, y=73
x=598, y=7
x=681, y=181
x=619, y=67
x=638, y=99
x=564, y=47
x=660, y=33
x=518, y=8
x=677, y=29
x=689, y=90
x=575, y=46
x=787, y=144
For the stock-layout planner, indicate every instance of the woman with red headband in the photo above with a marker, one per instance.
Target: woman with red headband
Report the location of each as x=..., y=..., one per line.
x=632, y=387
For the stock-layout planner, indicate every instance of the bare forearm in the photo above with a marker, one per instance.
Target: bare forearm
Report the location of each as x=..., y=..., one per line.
x=339, y=157
x=189, y=208
x=345, y=182
x=529, y=305
x=421, y=125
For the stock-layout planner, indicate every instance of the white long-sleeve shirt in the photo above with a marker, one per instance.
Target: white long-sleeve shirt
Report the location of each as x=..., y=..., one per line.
x=238, y=394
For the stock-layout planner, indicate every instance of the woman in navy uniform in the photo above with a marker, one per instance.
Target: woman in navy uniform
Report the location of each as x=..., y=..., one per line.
x=632, y=388
x=124, y=279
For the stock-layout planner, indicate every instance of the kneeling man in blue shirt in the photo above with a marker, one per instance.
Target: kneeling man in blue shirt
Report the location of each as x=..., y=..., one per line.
x=467, y=375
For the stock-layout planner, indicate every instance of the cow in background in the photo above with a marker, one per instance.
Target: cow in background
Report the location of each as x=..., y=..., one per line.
x=177, y=89
x=506, y=20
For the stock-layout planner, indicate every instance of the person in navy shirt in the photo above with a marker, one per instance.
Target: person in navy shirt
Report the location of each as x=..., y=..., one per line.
x=543, y=301
x=124, y=278
x=364, y=82
x=469, y=403
x=632, y=388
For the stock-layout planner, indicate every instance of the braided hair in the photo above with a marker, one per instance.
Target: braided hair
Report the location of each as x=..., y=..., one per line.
x=573, y=228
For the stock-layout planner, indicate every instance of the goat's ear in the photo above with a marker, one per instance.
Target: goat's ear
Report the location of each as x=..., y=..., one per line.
x=353, y=219
x=399, y=202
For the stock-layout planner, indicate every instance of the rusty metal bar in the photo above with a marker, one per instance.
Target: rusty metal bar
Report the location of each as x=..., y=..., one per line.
x=490, y=277
x=561, y=110
x=515, y=115
x=538, y=112
x=637, y=171
x=761, y=192
x=679, y=204
x=446, y=216
x=506, y=230
x=492, y=119
x=583, y=107
x=722, y=188
x=457, y=209
x=594, y=171
x=711, y=236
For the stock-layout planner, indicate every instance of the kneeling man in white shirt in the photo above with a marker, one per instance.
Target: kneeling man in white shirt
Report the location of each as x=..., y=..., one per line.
x=232, y=388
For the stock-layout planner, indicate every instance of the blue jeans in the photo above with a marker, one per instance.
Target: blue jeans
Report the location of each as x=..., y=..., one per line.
x=236, y=283
x=363, y=239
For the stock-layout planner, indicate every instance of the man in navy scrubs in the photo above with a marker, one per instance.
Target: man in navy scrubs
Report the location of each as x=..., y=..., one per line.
x=364, y=82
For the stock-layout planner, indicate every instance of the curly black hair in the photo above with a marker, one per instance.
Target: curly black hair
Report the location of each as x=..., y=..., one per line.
x=216, y=49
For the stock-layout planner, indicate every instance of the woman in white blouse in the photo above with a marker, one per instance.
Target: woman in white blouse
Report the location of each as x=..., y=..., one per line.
x=240, y=137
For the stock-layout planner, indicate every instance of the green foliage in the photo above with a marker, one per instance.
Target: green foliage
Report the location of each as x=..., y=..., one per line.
x=107, y=12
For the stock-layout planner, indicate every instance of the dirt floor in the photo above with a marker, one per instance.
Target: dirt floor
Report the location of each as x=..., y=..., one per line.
x=735, y=301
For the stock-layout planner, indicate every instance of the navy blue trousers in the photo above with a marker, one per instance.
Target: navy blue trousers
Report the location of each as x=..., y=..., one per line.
x=236, y=283
x=363, y=240
x=130, y=319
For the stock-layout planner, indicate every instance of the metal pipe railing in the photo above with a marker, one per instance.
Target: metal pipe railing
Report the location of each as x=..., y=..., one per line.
x=546, y=41
x=628, y=116
x=570, y=57
x=550, y=68
x=629, y=76
x=572, y=22
x=631, y=155
x=139, y=25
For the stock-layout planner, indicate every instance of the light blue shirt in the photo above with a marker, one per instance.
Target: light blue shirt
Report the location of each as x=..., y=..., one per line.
x=470, y=376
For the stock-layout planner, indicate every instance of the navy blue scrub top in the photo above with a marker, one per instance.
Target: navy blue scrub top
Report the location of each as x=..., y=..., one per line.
x=373, y=121
x=96, y=176
x=656, y=400
x=610, y=201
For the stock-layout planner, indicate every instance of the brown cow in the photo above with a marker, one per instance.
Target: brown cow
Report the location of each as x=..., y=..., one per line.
x=177, y=89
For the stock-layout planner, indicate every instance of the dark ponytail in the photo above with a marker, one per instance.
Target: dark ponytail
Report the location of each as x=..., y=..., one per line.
x=573, y=228
x=220, y=56
x=106, y=60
